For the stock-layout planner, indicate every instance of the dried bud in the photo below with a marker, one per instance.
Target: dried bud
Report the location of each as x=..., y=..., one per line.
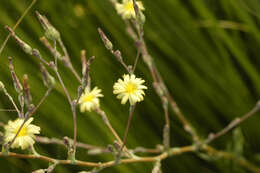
x=50, y=32
x=27, y=49
x=17, y=85
x=108, y=44
x=66, y=141
x=83, y=61
x=118, y=55
x=48, y=80
x=86, y=77
x=117, y=146
x=26, y=90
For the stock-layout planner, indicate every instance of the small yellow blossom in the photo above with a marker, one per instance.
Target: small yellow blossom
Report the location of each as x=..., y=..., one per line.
x=130, y=88
x=26, y=136
x=89, y=100
x=126, y=9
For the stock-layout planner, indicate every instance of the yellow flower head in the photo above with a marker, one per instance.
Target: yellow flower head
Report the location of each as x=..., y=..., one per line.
x=130, y=88
x=26, y=136
x=126, y=9
x=89, y=100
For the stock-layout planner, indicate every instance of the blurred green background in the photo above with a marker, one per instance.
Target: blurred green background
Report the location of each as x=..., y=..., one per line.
x=211, y=67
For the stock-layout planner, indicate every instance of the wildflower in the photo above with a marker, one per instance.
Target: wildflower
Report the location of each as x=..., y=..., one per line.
x=130, y=88
x=89, y=100
x=25, y=137
x=126, y=9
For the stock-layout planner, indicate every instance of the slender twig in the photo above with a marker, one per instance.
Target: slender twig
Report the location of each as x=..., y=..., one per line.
x=233, y=124
x=162, y=156
x=166, y=130
x=108, y=124
x=172, y=152
x=117, y=54
x=17, y=23
x=137, y=56
x=63, y=85
x=69, y=64
x=8, y=110
x=147, y=150
x=229, y=156
x=45, y=140
x=72, y=105
x=47, y=93
x=224, y=24
x=131, y=111
x=12, y=101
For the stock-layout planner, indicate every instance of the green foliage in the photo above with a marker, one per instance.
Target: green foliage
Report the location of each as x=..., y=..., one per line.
x=211, y=71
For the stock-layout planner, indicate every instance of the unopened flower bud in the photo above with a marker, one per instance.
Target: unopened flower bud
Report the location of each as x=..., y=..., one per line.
x=108, y=44
x=17, y=85
x=26, y=88
x=50, y=32
x=27, y=49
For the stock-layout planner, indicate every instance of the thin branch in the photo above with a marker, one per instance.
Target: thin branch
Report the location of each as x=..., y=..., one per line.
x=131, y=111
x=229, y=156
x=233, y=124
x=73, y=109
x=63, y=85
x=137, y=56
x=158, y=79
x=172, y=152
x=108, y=44
x=166, y=130
x=8, y=110
x=107, y=123
x=17, y=23
x=224, y=24
x=68, y=61
x=45, y=140
x=11, y=100
x=47, y=93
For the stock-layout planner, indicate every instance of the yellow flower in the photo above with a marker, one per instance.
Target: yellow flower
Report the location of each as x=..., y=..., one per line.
x=26, y=136
x=130, y=88
x=89, y=100
x=126, y=9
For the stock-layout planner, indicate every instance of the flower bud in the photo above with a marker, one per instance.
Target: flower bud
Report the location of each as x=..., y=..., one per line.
x=50, y=32
x=108, y=44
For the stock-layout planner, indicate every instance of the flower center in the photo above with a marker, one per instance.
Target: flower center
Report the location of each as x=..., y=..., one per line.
x=130, y=88
x=129, y=6
x=23, y=131
x=88, y=98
